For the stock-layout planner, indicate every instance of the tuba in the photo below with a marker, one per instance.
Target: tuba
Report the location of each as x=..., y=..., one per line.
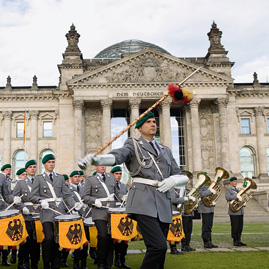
x=211, y=199
x=203, y=179
x=236, y=205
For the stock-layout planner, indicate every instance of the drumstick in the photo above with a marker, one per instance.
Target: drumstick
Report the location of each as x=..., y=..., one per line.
x=69, y=211
x=87, y=213
x=57, y=212
x=101, y=206
x=12, y=204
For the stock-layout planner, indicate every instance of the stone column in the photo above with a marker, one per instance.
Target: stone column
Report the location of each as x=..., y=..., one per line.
x=106, y=123
x=225, y=153
x=195, y=133
x=261, y=150
x=134, y=107
x=7, y=137
x=78, y=117
x=166, y=123
x=34, y=135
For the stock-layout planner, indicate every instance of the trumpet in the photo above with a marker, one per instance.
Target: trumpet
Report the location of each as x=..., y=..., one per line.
x=211, y=199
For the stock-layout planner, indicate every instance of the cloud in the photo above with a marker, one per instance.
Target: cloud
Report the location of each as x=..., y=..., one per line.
x=32, y=32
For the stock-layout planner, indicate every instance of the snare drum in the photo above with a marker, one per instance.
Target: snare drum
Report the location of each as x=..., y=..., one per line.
x=120, y=226
x=90, y=225
x=13, y=231
x=70, y=231
x=175, y=233
x=38, y=234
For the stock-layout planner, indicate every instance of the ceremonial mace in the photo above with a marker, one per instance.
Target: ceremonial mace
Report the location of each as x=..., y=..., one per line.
x=176, y=92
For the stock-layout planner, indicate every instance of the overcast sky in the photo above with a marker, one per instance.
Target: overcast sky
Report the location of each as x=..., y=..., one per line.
x=32, y=32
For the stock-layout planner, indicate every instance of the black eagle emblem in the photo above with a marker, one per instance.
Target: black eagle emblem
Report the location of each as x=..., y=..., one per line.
x=176, y=227
x=126, y=226
x=14, y=230
x=74, y=234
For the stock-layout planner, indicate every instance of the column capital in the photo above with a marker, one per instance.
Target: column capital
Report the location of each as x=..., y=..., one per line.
x=222, y=102
x=259, y=111
x=7, y=114
x=78, y=104
x=195, y=103
x=134, y=103
x=106, y=104
x=166, y=103
x=34, y=114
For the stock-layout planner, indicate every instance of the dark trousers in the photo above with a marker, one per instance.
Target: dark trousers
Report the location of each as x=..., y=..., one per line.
x=121, y=250
x=207, y=223
x=30, y=248
x=154, y=233
x=105, y=244
x=187, y=228
x=236, y=226
x=50, y=249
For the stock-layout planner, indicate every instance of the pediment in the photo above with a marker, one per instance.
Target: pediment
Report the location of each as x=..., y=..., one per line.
x=149, y=66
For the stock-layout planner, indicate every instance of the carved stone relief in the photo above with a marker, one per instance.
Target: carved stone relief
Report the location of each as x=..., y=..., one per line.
x=207, y=138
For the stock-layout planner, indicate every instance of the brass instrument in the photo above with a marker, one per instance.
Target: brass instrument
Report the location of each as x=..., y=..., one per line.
x=236, y=205
x=211, y=199
x=190, y=205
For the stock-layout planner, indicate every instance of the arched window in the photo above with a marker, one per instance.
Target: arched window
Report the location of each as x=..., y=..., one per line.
x=20, y=159
x=247, y=162
x=43, y=153
x=267, y=158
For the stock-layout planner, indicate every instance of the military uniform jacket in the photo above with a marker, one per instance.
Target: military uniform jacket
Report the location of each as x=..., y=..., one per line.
x=202, y=208
x=5, y=195
x=231, y=194
x=41, y=191
x=145, y=199
x=94, y=189
x=22, y=188
x=176, y=200
x=122, y=190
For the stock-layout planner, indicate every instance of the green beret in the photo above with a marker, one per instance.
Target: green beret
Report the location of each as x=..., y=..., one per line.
x=47, y=158
x=81, y=172
x=233, y=178
x=74, y=173
x=31, y=162
x=143, y=119
x=65, y=177
x=115, y=169
x=20, y=171
x=5, y=166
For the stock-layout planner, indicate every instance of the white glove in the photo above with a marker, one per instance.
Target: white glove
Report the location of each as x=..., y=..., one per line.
x=98, y=203
x=124, y=198
x=213, y=191
x=44, y=204
x=172, y=181
x=16, y=200
x=77, y=206
x=74, y=212
x=192, y=198
x=239, y=197
x=111, y=197
x=179, y=206
x=185, y=199
x=100, y=160
x=25, y=211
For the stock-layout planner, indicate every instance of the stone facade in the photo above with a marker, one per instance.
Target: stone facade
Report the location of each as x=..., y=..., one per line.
x=80, y=107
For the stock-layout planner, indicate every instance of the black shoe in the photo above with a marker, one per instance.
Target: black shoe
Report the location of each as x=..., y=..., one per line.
x=242, y=244
x=176, y=252
x=207, y=245
x=5, y=263
x=117, y=262
x=75, y=264
x=214, y=246
x=237, y=244
x=64, y=264
x=124, y=265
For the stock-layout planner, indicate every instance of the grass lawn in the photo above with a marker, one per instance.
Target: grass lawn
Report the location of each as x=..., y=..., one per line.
x=255, y=234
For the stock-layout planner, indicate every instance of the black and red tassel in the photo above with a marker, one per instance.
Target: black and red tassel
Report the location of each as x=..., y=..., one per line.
x=178, y=93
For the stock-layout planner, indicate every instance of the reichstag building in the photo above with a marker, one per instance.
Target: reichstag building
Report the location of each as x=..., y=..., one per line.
x=226, y=125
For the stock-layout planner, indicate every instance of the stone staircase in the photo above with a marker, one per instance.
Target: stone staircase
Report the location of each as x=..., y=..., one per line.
x=253, y=208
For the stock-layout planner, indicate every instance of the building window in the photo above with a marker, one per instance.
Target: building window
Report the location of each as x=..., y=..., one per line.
x=47, y=129
x=20, y=159
x=247, y=162
x=20, y=130
x=44, y=153
x=267, y=158
x=177, y=134
x=120, y=118
x=245, y=126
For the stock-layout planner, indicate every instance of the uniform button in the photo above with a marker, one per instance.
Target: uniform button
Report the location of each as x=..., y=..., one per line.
x=158, y=162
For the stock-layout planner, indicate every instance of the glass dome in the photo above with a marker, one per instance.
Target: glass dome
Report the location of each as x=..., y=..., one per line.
x=127, y=47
